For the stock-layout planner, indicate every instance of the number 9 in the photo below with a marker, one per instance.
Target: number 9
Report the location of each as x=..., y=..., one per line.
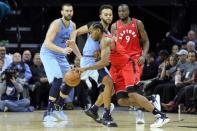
x=127, y=38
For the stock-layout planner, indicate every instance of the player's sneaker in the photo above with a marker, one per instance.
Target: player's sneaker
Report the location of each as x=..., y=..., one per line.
x=160, y=121
x=108, y=121
x=61, y=115
x=140, y=117
x=58, y=111
x=156, y=101
x=93, y=115
x=49, y=117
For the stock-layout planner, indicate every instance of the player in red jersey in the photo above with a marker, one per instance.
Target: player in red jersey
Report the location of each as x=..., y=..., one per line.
x=129, y=32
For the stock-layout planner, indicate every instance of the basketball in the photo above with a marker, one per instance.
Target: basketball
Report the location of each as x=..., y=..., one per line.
x=72, y=78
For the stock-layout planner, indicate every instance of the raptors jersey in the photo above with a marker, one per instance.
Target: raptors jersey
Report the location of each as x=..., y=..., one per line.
x=118, y=55
x=128, y=37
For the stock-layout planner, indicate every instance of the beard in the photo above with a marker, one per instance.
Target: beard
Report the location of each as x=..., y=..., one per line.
x=107, y=22
x=67, y=18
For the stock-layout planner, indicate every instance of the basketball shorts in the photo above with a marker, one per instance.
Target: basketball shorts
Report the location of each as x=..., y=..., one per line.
x=55, y=66
x=127, y=77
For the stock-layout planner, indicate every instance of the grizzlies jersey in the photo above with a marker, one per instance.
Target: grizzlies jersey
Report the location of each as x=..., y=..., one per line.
x=60, y=38
x=90, y=47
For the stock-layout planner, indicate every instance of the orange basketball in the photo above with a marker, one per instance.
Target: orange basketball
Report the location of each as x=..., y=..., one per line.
x=72, y=78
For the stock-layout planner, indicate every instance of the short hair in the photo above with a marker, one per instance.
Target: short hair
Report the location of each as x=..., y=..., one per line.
x=97, y=25
x=105, y=6
x=66, y=4
x=124, y=5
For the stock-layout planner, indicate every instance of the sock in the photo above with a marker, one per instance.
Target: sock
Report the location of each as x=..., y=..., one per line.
x=156, y=111
x=94, y=108
x=50, y=105
x=106, y=112
x=53, y=93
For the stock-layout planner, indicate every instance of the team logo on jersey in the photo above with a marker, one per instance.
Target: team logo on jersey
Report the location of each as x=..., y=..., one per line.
x=127, y=34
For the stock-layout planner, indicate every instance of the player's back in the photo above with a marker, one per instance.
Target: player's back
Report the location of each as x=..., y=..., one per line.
x=127, y=36
x=90, y=46
x=61, y=37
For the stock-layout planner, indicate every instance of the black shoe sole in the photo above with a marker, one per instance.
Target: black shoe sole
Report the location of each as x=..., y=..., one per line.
x=94, y=117
x=110, y=125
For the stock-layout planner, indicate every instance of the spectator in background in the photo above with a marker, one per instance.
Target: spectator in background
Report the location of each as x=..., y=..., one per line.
x=24, y=72
x=182, y=55
x=175, y=49
x=40, y=87
x=1, y=65
x=7, y=59
x=149, y=68
x=163, y=55
x=191, y=36
x=10, y=93
x=27, y=57
x=190, y=46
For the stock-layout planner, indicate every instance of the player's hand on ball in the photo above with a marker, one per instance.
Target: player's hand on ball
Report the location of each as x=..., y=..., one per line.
x=141, y=60
x=70, y=43
x=80, y=70
x=67, y=50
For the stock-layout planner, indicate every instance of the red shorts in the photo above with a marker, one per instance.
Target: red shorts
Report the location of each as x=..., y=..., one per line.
x=127, y=75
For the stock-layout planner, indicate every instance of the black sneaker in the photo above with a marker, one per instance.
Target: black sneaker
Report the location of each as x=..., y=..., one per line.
x=93, y=115
x=108, y=121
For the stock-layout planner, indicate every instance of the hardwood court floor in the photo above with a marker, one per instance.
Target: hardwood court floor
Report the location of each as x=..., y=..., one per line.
x=78, y=121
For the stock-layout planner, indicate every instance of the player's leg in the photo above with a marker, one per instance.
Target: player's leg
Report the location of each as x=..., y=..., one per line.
x=54, y=77
x=107, y=93
x=64, y=90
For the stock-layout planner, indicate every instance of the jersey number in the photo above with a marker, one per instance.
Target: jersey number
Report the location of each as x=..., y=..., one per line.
x=127, y=38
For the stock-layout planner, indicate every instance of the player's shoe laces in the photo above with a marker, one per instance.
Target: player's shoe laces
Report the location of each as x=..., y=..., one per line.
x=108, y=121
x=161, y=120
x=156, y=101
x=60, y=113
x=49, y=117
x=140, y=117
x=93, y=115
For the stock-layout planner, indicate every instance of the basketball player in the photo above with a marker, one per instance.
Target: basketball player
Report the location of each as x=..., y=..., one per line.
x=101, y=76
x=93, y=44
x=129, y=32
x=53, y=55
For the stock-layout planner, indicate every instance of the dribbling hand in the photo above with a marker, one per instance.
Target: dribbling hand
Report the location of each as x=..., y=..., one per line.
x=80, y=70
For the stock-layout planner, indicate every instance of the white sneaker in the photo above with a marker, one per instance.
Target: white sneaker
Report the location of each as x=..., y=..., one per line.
x=159, y=122
x=49, y=117
x=111, y=107
x=140, y=117
x=156, y=101
x=61, y=115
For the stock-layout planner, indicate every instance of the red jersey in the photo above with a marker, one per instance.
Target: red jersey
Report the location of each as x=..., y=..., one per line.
x=128, y=37
x=118, y=55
